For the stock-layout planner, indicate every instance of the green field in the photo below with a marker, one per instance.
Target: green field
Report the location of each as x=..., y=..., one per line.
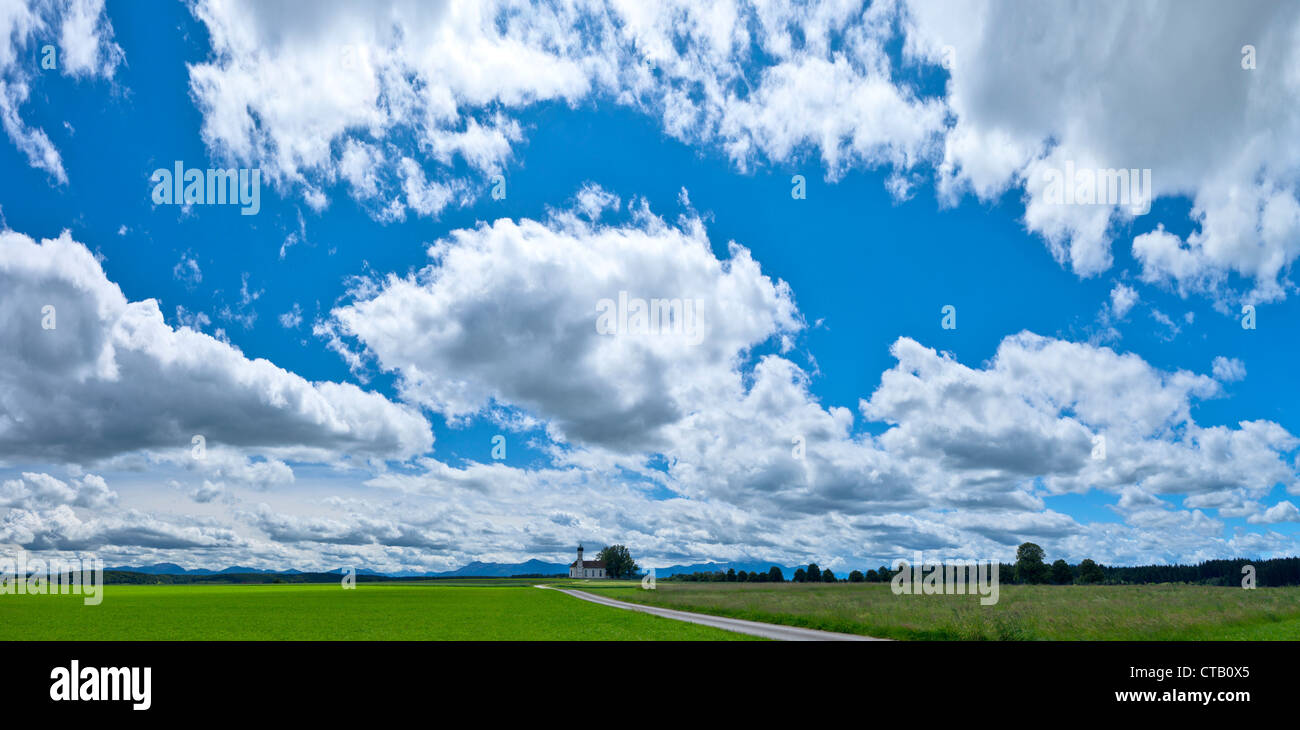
x=1145, y=612
x=463, y=610
x=505, y=609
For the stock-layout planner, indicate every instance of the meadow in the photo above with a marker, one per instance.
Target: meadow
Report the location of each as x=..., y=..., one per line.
x=512, y=609
x=1158, y=612
x=463, y=610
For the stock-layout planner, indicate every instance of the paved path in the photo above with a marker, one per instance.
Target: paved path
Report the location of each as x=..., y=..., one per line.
x=753, y=628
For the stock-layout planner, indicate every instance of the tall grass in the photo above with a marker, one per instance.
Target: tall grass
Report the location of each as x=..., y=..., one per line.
x=1144, y=612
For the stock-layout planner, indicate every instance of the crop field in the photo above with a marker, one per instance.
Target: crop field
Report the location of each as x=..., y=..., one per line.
x=1142, y=612
x=464, y=610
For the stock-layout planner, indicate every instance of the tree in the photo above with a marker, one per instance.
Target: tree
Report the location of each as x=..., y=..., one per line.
x=742, y=577
x=814, y=573
x=799, y=575
x=884, y=573
x=618, y=562
x=775, y=575
x=855, y=576
x=1030, y=567
x=1061, y=573
x=731, y=575
x=828, y=576
x=871, y=576
x=1090, y=572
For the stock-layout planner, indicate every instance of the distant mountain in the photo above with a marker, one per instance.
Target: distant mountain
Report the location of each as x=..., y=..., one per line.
x=748, y=567
x=164, y=569
x=473, y=570
x=174, y=569
x=504, y=570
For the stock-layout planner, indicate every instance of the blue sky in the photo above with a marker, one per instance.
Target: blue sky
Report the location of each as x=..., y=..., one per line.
x=866, y=265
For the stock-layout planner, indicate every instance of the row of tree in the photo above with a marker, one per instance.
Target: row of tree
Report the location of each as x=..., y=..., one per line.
x=1031, y=568
x=810, y=574
x=771, y=575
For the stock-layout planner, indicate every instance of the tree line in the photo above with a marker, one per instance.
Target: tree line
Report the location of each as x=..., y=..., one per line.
x=1031, y=568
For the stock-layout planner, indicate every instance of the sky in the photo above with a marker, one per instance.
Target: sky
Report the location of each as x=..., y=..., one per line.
x=896, y=332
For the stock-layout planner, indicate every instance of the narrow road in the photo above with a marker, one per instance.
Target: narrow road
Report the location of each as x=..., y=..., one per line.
x=777, y=632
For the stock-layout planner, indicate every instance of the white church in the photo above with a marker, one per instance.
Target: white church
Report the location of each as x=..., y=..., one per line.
x=586, y=568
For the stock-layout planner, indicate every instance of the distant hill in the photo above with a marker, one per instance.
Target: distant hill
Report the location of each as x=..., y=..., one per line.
x=504, y=570
x=748, y=567
x=473, y=570
x=163, y=569
x=476, y=569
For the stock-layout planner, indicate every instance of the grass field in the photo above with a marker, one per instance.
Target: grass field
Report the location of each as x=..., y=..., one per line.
x=507, y=609
x=464, y=610
x=1146, y=612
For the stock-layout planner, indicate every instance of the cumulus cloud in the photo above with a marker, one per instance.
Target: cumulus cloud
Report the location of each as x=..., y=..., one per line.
x=35, y=490
x=87, y=374
x=1122, y=299
x=61, y=529
x=316, y=99
x=1044, y=406
x=509, y=313
x=1228, y=369
x=1023, y=106
x=353, y=530
x=956, y=449
x=1283, y=511
x=307, y=97
x=688, y=449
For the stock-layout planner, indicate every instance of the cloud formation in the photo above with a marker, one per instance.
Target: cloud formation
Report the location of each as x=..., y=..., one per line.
x=318, y=100
x=86, y=375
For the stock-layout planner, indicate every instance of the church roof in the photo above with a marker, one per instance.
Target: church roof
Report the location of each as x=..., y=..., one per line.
x=588, y=564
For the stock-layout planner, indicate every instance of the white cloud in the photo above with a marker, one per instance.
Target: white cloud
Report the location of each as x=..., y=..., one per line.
x=507, y=313
x=1228, y=370
x=952, y=457
x=35, y=490
x=1122, y=299
x=593, y=200
x=314, y=98
x=1281, y=512
x=187, y=270
x=85, y=49
x=965, y=462
x=1022, y=105
x=85, y=39
x=61, y=529
x=283, y=87
x=111, y=377
x=292, y=318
